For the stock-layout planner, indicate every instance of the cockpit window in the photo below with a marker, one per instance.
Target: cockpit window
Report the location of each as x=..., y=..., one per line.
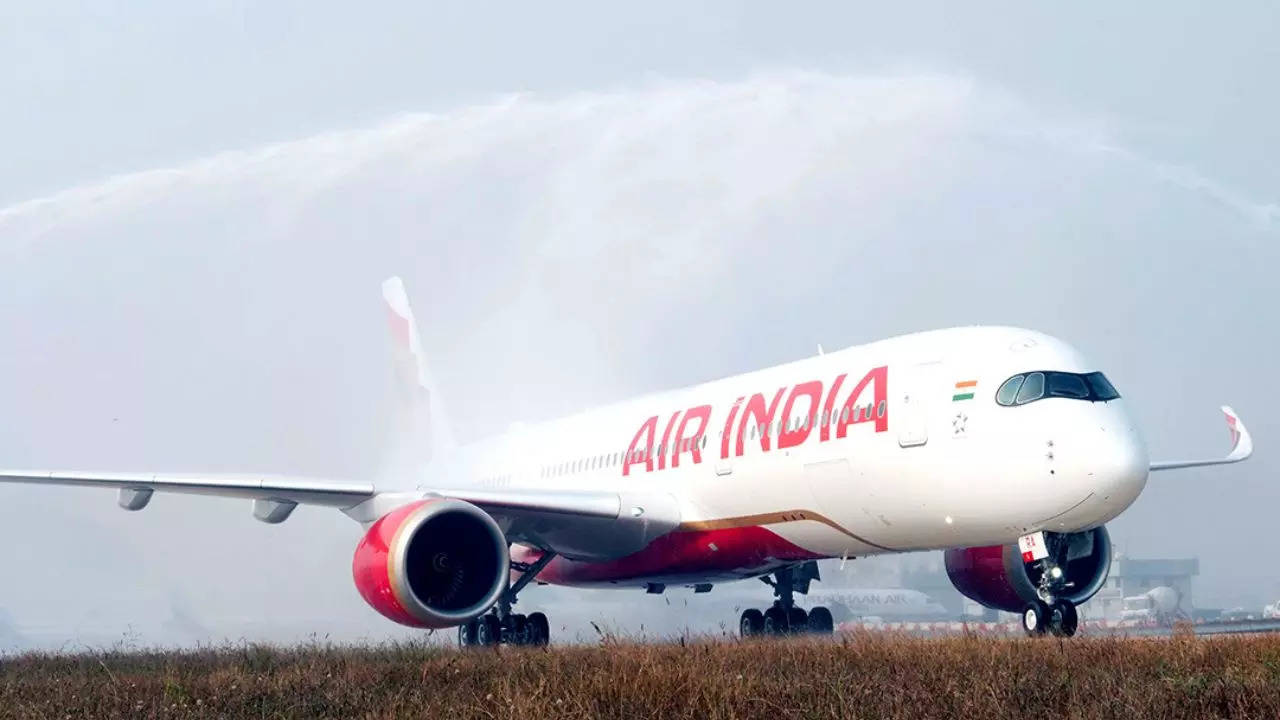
x=1032, y=389
x=1029, y=387
x=1009, y=390
x=1067, y=385
x=1101, y=387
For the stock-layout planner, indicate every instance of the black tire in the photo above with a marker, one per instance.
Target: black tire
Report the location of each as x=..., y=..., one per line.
x=820, y=621
x=519, y=630
x=775, y=621
x=1035, y=618
x=488, y=631
x=538, y=630
x=467, y=634
x=1065, y=620
x=797, y=621
x=751, y=623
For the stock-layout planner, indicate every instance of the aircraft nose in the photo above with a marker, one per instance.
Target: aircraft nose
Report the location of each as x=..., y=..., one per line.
x=1119, y=466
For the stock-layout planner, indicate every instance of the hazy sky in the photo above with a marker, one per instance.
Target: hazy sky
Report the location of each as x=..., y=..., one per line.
x=197, y=206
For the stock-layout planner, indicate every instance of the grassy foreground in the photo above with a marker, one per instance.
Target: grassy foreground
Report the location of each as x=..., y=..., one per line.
x=857, y=676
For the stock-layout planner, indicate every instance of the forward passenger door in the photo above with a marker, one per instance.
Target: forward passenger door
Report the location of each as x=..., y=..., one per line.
x=913, y=395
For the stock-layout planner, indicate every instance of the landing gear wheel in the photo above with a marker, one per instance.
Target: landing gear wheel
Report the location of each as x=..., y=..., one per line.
x=775, y=621
x=519, y=630
x=467, y=634
x=488, y=632
x=1064, y=619
x=820, y=622
x=751, y=623
x=797, y=621
x=1035, y=618
x=537, y=630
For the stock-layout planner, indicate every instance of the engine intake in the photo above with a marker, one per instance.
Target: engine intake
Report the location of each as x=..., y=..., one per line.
x=996, y=577
x=432, y=563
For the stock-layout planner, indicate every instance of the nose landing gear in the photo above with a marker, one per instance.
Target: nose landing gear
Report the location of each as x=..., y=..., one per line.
x=783, y=617
x=1060, y=618
x=1050, y=612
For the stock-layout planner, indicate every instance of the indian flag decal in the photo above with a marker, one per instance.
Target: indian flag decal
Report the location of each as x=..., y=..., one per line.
x=964, y=390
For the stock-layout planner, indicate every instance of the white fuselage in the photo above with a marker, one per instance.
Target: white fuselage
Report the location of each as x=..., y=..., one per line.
x=922, y=458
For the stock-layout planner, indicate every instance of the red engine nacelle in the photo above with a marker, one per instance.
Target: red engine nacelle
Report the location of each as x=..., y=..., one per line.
x=996, y=576
x=432, y=563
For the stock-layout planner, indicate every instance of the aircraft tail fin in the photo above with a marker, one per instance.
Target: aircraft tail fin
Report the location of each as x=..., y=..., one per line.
x=423, y=432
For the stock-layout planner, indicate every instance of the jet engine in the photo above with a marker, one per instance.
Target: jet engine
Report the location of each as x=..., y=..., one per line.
x=432, y=563
x=996, y=576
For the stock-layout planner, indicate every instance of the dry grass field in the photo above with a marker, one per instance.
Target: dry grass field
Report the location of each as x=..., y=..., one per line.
x=856, y=676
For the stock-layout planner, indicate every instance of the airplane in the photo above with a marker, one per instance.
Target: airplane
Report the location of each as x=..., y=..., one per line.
x=1161, y=605
x=1003, y=447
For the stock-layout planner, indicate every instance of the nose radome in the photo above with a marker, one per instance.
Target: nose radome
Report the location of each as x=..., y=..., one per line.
x=1120, y=467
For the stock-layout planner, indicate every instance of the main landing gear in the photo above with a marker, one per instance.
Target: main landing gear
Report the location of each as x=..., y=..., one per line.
x=1050, y=613
x=500, y=626
x=784, y=618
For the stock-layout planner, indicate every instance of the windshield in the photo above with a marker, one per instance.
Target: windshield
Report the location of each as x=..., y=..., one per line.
x=1031, y=386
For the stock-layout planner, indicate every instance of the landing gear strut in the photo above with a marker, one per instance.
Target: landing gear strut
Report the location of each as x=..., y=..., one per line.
x=500, y=626
x=783, y=617
x=1050, y=612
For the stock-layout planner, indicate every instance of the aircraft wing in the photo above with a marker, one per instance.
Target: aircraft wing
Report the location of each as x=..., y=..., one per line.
x=310, y=491
x=274, y=495
x=266, y=487
x=576, y=523
x=1241, y=446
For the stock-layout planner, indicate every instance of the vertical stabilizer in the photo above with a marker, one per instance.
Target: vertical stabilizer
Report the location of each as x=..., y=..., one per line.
x=423, y=431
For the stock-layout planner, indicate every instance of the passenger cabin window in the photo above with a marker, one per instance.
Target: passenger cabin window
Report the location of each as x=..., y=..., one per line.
x=1029, y=387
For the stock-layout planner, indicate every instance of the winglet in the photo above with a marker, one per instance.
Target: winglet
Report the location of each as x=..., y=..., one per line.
x=1241, y=446
x=1241, y=441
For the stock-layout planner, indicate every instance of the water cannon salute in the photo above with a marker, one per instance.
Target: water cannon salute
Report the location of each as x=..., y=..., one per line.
x=649, y=360
x=1003, y=447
